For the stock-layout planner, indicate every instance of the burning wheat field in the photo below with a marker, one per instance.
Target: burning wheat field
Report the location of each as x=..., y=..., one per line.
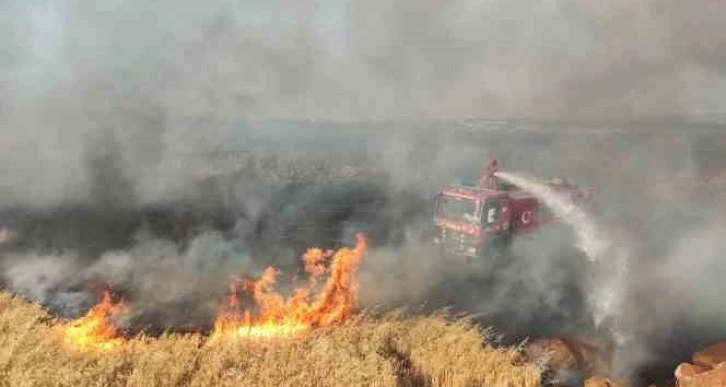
x=275, y=316
x=311, y=337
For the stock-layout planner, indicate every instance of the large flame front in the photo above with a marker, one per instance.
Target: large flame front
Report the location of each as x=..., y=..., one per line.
x=95, y=330
x=277, y=315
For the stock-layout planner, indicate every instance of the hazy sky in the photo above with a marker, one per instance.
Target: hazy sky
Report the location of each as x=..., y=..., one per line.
x=362, y=59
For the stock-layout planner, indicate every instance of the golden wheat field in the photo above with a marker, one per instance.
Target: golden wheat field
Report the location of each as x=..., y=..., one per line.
x=365, y=351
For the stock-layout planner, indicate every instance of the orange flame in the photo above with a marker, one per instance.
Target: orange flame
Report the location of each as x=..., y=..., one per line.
x=95, y=330
x=277, y=315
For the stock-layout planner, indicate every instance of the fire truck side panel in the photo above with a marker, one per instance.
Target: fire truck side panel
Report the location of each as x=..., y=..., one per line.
x=524, y=214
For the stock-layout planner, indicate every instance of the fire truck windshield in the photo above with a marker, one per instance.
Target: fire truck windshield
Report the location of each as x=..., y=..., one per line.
x=464, y=210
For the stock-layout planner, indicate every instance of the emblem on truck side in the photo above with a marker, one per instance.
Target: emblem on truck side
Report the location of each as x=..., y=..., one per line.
x=526, y=217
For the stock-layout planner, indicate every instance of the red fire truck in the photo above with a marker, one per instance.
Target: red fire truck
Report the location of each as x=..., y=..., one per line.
x=479, y=220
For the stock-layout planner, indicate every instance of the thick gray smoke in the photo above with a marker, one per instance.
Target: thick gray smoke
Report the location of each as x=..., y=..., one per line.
x=606, y=291
x=147, y=82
